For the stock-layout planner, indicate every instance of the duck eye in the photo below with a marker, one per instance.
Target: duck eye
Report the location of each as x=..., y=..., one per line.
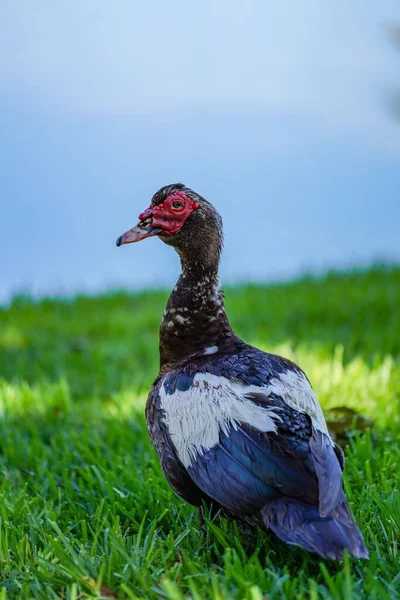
x=177, y=204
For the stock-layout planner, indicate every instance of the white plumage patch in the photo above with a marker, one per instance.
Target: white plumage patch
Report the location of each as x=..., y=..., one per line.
x=211, y=350
x=294, y=388
x=196, y=417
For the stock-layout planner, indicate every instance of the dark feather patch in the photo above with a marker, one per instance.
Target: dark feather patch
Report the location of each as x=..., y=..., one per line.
x=328, y=471
x=248, y=468
x=297, y=523
x=178, y=380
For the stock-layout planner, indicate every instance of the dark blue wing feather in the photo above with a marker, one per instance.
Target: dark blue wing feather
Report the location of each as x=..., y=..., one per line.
x=297, y=523
x=229, y=481
x=249, y=468
x=328, y=471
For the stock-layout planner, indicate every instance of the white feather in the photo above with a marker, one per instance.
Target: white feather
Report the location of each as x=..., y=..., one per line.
x=211, y=350
x=182, y=319
x=294, y=388
x=195, y=418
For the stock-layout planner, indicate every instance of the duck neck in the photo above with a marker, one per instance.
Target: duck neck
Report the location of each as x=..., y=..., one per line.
x=195, y=322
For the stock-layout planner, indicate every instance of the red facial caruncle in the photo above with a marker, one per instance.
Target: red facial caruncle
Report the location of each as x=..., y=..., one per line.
x=163, y=219
x=171, y=214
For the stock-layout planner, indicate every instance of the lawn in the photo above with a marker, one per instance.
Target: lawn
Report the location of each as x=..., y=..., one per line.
x=85, y=511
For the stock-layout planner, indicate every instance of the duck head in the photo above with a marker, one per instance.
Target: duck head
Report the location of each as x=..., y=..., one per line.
x=181, y=218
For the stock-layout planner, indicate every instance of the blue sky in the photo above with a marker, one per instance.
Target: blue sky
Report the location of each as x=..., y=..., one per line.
x=281, y=107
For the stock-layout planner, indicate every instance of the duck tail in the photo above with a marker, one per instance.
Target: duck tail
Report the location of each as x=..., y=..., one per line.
x=296, y=523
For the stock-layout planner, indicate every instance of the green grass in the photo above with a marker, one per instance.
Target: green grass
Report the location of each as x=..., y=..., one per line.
x=84, y=508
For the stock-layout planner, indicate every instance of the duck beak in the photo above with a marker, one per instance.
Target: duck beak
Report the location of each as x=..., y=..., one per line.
x=142, y=231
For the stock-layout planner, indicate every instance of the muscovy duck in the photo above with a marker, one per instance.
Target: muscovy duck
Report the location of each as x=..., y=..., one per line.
x=235, y=427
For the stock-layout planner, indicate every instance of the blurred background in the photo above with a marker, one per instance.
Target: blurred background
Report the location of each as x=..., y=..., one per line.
x=282, y=114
